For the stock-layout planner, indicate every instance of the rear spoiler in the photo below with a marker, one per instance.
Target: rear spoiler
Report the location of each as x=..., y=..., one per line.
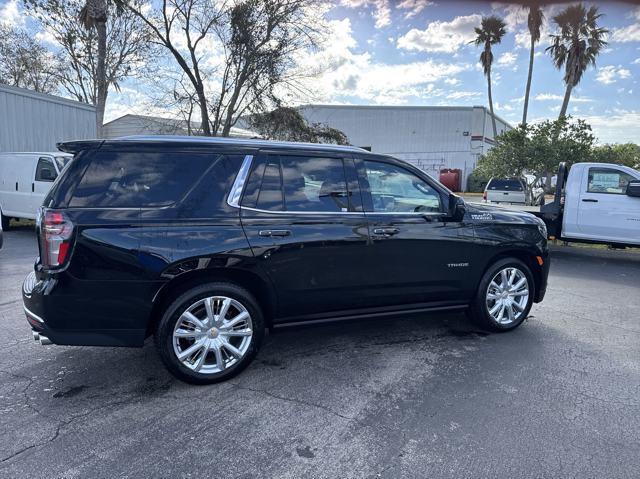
x=78, y=145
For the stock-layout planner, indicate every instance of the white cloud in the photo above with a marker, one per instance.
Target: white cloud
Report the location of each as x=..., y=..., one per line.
x=358, y=75
x=626, y=34
x=457, y=95
x=610, y=74
x=381, y=9
x=513, y=15
x=414, y=7
x=619, y=126
x=630, y=33
x=554, y=97
x=445, y=37
x=10, y=14
x=636, y=61
x=507, y=59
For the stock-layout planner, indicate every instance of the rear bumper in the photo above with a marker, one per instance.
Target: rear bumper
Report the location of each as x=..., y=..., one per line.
x=49, y=314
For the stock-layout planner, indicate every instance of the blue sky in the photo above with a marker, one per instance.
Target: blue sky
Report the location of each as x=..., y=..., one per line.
x=416, y=52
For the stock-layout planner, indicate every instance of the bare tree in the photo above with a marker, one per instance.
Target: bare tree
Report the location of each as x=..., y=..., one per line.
x=260, y=40
x=181, y=26
x=235, y=54
x=127, y=48
x=26, y=63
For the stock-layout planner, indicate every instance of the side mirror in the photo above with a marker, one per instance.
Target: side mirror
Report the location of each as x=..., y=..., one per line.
x=457, y=208
x=633, y=188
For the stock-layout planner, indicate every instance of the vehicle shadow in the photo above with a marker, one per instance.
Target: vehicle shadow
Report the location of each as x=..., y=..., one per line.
x=77, y=373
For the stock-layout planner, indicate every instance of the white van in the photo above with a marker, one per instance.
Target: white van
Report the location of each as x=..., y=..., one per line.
x=25, y=179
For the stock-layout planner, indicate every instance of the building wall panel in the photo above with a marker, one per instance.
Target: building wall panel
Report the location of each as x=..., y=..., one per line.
x=31, y=121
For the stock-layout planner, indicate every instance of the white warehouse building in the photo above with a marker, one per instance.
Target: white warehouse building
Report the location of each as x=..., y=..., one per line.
x=31, y=121
x=431, y=137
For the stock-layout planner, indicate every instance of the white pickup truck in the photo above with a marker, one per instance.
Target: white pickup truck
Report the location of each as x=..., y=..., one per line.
x=594, y=203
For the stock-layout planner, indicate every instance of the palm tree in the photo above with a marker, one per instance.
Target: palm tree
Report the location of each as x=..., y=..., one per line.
x=490, y=32
x=94, y=15
x=534, y=21
x=576, y=45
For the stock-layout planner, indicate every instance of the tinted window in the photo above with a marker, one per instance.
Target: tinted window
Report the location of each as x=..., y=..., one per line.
x=608, y=180
x=270, y=193
x=396, y=190
x=45, y=171
x=135, y=179
x=314, y=184
x=505, y=185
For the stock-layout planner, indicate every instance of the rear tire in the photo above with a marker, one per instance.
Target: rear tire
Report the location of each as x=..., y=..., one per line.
x=210, y=333
x=504, y=297
x=5, y=222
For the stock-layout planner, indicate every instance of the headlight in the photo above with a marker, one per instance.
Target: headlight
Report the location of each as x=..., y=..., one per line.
x=543, y=229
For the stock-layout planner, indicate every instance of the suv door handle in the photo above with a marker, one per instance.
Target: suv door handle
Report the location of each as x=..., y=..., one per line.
x=386, y=231
x=269, y=233
x=589, y=200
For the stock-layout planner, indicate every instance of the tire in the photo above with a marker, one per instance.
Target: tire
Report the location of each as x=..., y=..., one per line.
x=520, y=304
x=212, y=342
x=5, y=222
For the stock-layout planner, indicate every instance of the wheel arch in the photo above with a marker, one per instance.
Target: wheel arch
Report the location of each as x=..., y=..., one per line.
x=260, y=288
x=527, y=257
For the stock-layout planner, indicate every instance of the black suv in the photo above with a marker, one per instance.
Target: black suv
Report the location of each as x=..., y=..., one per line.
x=204, y=243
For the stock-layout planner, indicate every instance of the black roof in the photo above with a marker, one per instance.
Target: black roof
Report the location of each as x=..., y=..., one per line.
x=75, y=146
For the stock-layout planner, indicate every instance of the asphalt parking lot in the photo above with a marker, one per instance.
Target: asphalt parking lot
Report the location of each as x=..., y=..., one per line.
x=419, y=396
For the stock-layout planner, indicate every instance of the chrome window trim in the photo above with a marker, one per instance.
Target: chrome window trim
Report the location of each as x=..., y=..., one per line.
x=233, y=199
x=410, y=213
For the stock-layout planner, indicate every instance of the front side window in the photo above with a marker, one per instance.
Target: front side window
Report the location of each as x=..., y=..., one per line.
x=608, y=180
x=396, y=190
x=45, y=171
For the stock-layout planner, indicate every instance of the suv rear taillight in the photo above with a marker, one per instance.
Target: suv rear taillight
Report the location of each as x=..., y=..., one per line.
x=55, y=238
x=484, y=196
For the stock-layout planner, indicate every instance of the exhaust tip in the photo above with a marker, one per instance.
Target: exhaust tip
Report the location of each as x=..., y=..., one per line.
x=36, y=335
x=44, y=340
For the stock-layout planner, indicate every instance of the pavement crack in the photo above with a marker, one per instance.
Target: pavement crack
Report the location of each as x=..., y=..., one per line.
x=293, y=400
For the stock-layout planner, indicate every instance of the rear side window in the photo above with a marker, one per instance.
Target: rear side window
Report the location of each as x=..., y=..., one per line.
x=505, y=185
x=299, y=183
x=137, y=180
x=314, y=184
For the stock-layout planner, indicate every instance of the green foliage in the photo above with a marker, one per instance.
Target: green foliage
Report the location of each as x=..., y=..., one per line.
x=537, y=149
x=627, y=154
x=578, y=42
x=476, y=182
x=287, y=124
x=490, y=32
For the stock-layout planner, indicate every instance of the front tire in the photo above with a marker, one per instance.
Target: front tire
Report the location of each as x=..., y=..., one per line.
x=504, y=297
x=210, y=333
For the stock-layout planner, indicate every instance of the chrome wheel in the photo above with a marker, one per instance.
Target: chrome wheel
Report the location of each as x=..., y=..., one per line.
x=507, y=296
x=212, y=334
